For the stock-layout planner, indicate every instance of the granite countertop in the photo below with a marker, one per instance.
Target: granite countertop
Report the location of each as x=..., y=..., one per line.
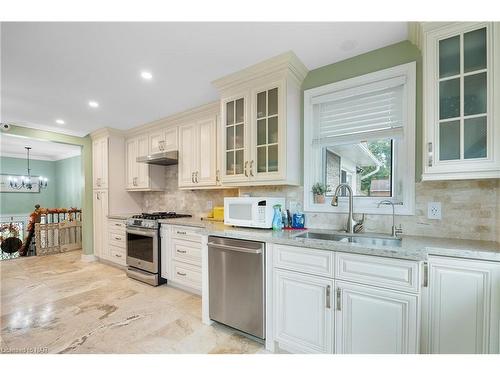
x=121, y=216
x=412, y=247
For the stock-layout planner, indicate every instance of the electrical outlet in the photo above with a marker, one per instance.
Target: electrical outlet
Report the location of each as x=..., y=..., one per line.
x=434, y=210
x=209, y=205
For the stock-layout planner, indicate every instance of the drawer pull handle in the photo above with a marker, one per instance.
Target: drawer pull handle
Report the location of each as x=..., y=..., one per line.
x=118, y=224
x=118, y=238
x=180, y=273
x=328, y=302
x=181, y=251
x=339, y=299
x=179, y=232
x=426, y=275
x=118, y=255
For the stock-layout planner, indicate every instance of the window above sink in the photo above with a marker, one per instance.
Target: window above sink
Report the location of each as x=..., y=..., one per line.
x=361, y=131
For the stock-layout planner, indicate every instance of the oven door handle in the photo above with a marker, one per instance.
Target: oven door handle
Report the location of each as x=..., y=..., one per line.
x=138, y=232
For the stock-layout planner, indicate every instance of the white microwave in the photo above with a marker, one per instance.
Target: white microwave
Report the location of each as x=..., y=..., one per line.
x=253, y=212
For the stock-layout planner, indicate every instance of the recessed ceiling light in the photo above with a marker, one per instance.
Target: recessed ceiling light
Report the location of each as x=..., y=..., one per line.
x=93, y=104
x=60, y=122
x=146, y=75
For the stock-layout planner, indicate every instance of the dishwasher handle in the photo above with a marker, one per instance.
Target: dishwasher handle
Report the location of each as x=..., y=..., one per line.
x=234, y=248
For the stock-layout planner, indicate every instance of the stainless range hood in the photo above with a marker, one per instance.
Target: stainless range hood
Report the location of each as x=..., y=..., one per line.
x=160, y=158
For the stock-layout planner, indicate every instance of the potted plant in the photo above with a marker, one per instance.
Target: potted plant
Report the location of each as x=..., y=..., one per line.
x=319, y=189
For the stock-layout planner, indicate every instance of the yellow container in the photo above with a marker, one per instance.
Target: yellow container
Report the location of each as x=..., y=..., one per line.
x=219, y=213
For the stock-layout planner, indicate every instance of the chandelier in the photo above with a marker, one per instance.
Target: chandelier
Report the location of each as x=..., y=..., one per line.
x=26, y=181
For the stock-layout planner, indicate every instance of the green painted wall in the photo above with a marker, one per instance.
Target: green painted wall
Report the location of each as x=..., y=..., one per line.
x=383, y=58
x=86, y=160
x=64, y=190
x=24, y=203
x=69, y=182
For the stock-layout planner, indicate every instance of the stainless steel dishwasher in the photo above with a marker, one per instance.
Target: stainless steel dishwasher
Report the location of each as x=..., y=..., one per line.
x=236, y=284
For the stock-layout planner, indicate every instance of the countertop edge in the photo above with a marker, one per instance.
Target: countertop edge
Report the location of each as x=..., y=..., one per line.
x=416, y=248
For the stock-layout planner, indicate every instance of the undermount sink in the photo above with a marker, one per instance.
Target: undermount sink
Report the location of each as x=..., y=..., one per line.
x=360, y=239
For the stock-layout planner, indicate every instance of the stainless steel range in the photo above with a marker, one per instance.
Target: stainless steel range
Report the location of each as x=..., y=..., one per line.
x=143, y=244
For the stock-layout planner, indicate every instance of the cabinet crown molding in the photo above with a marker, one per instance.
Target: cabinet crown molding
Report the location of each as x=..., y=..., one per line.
x=287, y=62
x=106, y=132
x=179, y=118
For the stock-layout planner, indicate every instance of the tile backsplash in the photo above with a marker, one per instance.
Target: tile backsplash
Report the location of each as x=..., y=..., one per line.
x=193, y=202
x=470, y=209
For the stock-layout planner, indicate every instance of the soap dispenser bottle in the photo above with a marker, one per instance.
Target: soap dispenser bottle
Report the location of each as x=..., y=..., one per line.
x=277, y=218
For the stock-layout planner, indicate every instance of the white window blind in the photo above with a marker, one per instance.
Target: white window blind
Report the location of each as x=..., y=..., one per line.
x=375, y=108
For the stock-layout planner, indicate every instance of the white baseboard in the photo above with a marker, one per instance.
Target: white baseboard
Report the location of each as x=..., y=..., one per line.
x=88, y=258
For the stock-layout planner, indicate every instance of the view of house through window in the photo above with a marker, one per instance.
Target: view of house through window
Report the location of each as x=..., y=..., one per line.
x=366, y=166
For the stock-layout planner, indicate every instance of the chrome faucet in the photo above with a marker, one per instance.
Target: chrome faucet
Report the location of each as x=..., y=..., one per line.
x=396, y=231
x=352, y=226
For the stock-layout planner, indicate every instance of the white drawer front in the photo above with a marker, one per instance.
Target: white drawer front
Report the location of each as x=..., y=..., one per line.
x=117, y=239
x=316, y=262
x=119, y=225
x=118, y=255
x=186, y=233
x=186, y=251
x=377, y=271
x=186, y=274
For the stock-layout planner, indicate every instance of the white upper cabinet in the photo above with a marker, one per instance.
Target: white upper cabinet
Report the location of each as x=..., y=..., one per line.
x=142, y=176
x=100, y=162
x=163, y=140
x=260, y=123
x=461, y=64
x=198, y=153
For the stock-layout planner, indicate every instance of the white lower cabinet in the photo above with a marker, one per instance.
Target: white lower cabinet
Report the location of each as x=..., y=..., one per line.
x=322, y=313
x=303, y=312
x=181, y=257
x=100, y=214
x=463, y=312
x=117, y=242
x=372, y=320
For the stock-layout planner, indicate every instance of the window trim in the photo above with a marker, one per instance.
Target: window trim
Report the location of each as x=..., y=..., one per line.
x=404, y=149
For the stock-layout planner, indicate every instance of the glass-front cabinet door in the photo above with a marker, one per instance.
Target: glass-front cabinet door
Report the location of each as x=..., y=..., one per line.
x=459, y=86
x=463, y=92
x=235, y=163
x=268, y=122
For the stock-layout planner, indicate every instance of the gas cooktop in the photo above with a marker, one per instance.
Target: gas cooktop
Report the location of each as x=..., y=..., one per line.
x=150, y=220
x=160, y=215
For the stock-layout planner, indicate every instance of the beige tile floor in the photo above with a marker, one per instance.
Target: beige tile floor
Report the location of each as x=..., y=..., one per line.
x=59, y=304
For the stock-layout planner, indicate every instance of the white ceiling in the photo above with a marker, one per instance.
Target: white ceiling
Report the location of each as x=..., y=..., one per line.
x=51, y=70
x=14, y=147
